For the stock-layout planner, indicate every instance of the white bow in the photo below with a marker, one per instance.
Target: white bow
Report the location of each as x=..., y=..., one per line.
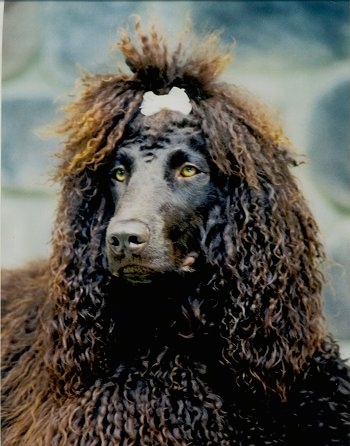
x=176, y=100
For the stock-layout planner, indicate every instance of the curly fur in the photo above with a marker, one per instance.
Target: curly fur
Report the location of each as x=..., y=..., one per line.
x=236, y=352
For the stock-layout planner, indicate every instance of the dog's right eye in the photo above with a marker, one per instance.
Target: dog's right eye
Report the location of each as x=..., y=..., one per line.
x=120, y=174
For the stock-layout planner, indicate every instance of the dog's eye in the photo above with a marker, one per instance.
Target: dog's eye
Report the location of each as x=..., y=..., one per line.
x=120, y=174
x=188, y=171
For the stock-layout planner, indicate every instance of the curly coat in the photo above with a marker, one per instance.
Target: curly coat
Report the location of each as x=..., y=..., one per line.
x=235, y=352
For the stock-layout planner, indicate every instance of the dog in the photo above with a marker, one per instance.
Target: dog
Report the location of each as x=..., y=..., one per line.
x=181, y=304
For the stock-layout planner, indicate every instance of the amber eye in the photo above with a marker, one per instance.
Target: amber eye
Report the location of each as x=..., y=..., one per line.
x=188, y=171
x=120, y=174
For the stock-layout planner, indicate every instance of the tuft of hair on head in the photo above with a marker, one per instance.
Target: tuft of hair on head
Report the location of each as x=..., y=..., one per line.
x=161, y=61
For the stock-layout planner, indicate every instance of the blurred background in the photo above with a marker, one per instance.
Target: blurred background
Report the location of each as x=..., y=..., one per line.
x=294, y=55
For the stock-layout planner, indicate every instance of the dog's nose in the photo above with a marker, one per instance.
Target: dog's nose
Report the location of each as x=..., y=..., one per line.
x=128, y=236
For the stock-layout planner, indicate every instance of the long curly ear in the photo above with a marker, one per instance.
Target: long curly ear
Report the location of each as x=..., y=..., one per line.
x=79, y=280
x=275, y=264
x=272, y=255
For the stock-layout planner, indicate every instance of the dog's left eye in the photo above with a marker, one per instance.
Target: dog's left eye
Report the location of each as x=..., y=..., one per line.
x=188, y=171
x=120, y=174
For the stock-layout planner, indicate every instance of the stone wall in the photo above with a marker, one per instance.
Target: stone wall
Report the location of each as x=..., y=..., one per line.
x=294, y=55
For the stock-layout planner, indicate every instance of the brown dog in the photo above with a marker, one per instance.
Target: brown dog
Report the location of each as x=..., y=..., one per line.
x=182, y=301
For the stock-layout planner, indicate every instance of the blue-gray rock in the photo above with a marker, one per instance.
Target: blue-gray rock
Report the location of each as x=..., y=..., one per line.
x=336, y=294
x=80, y=34
x=21, y=37
x=26, y=157
x=281, y=30
x=329, y=147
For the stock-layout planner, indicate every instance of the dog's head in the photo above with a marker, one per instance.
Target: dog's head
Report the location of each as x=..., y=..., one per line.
x=162, y=188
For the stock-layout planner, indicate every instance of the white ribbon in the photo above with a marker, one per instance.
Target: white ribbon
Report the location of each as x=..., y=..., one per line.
x=176, y=100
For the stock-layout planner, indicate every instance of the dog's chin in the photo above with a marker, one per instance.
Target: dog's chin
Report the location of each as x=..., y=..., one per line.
x=140, y=274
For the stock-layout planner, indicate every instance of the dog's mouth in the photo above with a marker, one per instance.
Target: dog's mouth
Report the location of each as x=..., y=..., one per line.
x=138, y=273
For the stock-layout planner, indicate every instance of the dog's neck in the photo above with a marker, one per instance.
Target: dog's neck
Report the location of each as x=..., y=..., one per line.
x=150, y=313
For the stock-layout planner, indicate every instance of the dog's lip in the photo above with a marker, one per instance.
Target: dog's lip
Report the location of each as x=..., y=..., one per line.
x=139, y=272
x=135, y=271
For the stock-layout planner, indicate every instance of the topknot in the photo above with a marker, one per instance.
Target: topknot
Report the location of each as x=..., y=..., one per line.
x=193, y=63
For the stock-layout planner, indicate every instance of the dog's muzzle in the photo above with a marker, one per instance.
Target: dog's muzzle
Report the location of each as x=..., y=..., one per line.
x=127, y=251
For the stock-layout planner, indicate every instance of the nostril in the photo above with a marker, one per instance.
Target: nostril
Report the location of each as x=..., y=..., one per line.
x=135, y=240
x=114, y=241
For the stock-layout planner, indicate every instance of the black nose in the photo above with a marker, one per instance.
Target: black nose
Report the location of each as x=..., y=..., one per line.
x=128, y=236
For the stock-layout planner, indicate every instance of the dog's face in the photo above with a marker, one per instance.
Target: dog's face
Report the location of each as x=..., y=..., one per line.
x=161, y=185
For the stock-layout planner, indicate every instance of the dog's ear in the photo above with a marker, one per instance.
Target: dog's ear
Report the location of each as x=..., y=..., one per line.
x=274, y=320
x=79, y=282
x=269, y=252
